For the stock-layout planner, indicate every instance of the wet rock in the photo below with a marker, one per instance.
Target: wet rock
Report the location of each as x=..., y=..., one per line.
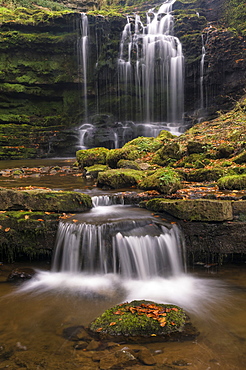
x=76, y=333
x=93, y=345
x=146, y=357
x=119, y=359
x=18, y=275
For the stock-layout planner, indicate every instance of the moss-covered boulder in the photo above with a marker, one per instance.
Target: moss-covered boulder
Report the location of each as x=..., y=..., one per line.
x=124, y=163
x=234, y=182
x=166, y=181
x=207, y=174
x=93, y=171
x=128, y=152
x=44, y=200
x=90, y=157
x=119, y=178
x=145, y=144
x=193, y=209
x=143, y=321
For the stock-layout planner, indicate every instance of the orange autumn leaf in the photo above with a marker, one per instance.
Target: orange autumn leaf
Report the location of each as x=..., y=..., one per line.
x=99, y=329
x=40, y=219
x=7, y=229
x=26, y=217
x=74, y=220
x=112, y=323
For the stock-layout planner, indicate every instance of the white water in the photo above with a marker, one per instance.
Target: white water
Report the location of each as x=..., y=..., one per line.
x=202, y=74
x=82, y=49
x=151, y=65
x=129, y=256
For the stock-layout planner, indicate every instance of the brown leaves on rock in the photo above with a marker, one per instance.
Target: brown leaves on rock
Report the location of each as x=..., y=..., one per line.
x=151, y=310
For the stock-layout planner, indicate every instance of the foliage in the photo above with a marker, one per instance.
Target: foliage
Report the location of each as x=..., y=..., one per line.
x=91, y=157
x=235, y=15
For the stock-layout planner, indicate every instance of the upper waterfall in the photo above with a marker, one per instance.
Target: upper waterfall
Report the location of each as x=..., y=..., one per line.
x=150, y=65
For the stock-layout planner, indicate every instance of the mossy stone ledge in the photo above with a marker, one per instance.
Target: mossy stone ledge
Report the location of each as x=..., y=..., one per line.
x=143, y=321
x=44, y=200
x=193, y=209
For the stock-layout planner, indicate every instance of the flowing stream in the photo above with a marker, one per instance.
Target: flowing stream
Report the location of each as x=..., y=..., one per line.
x=111, y=254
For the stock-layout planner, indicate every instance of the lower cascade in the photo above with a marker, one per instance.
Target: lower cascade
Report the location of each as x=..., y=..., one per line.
x=123, y=253
x=130, y=252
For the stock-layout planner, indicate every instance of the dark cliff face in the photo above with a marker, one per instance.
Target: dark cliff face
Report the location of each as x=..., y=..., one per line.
x=42, y=91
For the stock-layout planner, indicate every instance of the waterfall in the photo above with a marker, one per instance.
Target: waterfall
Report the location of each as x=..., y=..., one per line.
x=82, y=50
x=150, y=66
x=130, y=249
x=202, y=74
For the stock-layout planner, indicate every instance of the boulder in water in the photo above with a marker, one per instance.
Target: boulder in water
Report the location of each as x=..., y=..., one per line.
x=143, y=321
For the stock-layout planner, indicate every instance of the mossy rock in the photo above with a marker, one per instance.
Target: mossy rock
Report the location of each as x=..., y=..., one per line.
x=205, y=174
x=165, y=181
x=119, y=178
x=145, y=144
x=44, y=200
x=128, y=152
x=93, y=171
x=196, y=147
x=165, y=135
x=193, y=209
x=234, y=182
x=124, y=163
x=141, y=320
x=90, y=157
x=224, y=151
x=167, y=154
x=240, y=158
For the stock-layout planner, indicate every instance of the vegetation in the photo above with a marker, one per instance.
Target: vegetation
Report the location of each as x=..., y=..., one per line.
x=235, y=15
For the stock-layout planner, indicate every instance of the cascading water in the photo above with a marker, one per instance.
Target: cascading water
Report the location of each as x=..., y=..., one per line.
x=202, y=75
x=131, y=253
x=151, y=66
x=123, y=252
x=82, y=50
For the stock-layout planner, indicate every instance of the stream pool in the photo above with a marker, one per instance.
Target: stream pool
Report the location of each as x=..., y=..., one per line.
x=32, y=324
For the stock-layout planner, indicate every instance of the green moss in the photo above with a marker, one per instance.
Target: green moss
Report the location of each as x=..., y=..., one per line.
x=128, y=152
x=234, y=182
x=205, y=174
x=119, y=178
x=165, y=181
x=90, y=157
x=134, y=319
x=145, y=144
x=193, y=210
x=124, y=163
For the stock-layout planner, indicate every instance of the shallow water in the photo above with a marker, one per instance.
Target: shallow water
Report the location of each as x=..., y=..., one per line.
x=32, y=321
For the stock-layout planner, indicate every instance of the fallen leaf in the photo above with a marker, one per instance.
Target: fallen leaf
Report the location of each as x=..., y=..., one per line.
x=112, y=323
x=7, y=229
x=26, y=217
